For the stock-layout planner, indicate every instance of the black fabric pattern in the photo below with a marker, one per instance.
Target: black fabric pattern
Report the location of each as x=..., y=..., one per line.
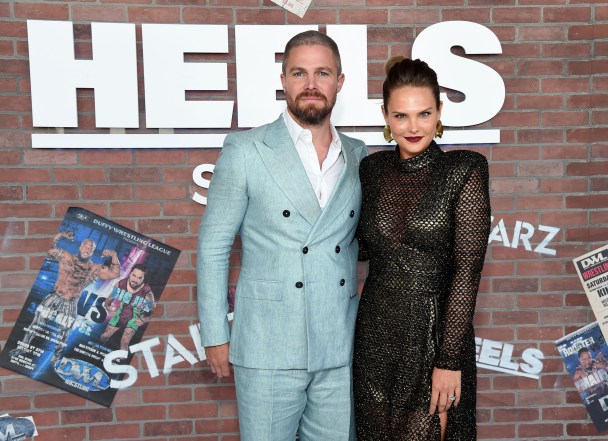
x=424, y=228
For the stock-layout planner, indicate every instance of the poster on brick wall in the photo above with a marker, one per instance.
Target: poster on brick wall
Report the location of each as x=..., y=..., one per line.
x=95, y=294
x=298, y=7
x=592, y=269
x=585, y=355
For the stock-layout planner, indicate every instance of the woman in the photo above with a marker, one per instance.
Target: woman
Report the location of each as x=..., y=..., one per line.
x=424, y=227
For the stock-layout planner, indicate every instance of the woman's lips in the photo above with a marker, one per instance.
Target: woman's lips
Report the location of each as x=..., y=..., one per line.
x=413, y=138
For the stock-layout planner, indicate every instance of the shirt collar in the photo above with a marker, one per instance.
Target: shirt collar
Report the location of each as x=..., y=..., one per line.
x=295, y=130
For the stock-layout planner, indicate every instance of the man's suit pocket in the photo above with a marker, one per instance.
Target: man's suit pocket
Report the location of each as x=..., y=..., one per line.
x=259, y=289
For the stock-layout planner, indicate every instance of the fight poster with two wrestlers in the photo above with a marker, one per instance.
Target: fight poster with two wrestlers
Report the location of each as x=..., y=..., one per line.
x=95, y=293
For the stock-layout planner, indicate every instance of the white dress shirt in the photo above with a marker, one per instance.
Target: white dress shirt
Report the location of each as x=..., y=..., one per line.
x=322, y=177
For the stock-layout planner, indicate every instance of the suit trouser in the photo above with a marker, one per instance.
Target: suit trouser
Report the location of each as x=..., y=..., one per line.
x=274, y=404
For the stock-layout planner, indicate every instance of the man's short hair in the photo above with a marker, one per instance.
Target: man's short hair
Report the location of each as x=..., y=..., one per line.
x=581, y=350
x=139, y=266
x=89, y=240
x=312, y=38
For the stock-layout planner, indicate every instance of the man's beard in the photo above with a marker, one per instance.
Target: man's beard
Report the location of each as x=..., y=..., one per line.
x=83, y=259
x=137, y=286
x=310, y=114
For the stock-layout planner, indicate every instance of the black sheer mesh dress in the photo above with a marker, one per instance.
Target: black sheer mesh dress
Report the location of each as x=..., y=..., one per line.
x=424, y=228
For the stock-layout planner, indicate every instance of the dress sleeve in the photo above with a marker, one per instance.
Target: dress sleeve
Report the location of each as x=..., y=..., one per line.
x=363, y=253
x=472, y=227
x=363, y=247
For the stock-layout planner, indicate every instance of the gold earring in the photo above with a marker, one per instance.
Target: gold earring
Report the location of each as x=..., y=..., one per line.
x=439, y=129
x=387, y=133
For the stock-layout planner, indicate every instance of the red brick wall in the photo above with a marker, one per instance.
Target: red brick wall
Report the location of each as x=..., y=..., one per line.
x=549, y=169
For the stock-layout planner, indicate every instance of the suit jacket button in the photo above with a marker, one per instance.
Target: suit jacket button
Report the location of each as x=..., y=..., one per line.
x=342, y=282
x=352, y=213
x=286, y=213
x=337, y=248
x=305, y=250
x=299, y=284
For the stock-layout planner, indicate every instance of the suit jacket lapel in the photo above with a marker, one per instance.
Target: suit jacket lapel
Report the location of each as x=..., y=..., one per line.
x=284, y=165
x=342, y=194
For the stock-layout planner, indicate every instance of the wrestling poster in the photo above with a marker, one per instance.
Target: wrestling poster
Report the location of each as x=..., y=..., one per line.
x=592, y=269
x=585, y=355
x=95, y=293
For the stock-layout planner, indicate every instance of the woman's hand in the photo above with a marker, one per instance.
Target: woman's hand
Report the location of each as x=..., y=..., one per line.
x=445, y=384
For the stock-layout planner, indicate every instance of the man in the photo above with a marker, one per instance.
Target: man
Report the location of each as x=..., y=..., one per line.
x=59, y=307
x=591, y=375
x=291, y=189
x=131, y=305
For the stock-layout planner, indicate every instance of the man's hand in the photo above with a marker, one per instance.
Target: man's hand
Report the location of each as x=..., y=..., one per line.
x=112, y=271
x=69, y=235
x=217, y=356
x=109, y=253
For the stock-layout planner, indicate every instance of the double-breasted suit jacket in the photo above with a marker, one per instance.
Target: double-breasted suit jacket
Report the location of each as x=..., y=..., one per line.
x=296, y=296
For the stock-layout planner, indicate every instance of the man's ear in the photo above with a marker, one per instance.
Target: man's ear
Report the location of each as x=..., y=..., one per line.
x=340, y=82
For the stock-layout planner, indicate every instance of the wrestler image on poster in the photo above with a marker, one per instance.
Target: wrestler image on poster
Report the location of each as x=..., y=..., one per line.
x=584, y=353
x=59, y=309
x=591, y=380
x=591, y=375
x=129, y=307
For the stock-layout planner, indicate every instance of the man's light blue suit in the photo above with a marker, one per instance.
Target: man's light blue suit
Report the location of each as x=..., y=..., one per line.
x=296, y=297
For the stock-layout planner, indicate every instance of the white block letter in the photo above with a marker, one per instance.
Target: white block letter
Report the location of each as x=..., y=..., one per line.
x=56, y=74
x=197, y=177
x=353, y=108
x=482, y=86
x=167, y=77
